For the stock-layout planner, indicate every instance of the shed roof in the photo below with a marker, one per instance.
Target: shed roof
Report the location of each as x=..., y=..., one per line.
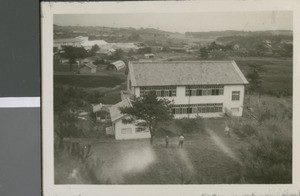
x=115, y=112
x=118, y=64
x=89, y=65
x=158, y=73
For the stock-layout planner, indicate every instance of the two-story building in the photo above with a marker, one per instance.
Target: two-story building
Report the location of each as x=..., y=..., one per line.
x=204, y=88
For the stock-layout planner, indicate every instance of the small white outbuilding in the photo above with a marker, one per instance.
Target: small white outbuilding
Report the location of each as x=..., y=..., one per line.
x=121, y=130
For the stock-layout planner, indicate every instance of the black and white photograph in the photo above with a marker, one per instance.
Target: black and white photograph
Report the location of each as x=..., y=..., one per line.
x=168, y=97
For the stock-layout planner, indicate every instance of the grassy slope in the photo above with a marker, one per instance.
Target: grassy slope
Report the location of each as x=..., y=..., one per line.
x=201, y=161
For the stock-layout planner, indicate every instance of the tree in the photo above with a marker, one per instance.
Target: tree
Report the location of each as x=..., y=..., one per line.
x=66, y=126
x=93, y=50
x=118, y=54
x=145, y=50
x=73, y=53
x=218, y=55
x=150, y=109
x=260, y=48
x=204, y=52
x=131, y=52
x=287, y=50
x=134, y=37
x=67, y=103
x=255, y=79
x=215, y=46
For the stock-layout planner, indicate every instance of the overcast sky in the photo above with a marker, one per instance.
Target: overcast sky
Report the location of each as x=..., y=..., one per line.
x=182, y=22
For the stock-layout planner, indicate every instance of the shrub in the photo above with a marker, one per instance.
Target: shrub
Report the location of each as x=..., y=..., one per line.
x=266, y=130
x=268, y=159
x=99, y=61
x=244, y=131
x=267, y=155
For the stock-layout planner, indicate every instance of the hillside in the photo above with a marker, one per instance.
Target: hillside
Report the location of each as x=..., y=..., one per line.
x=217, y=34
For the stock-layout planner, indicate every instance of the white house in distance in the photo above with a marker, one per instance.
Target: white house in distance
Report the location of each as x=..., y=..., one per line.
x=204, y=88
x=123, y=131
x=88, y=44
x=75, y=42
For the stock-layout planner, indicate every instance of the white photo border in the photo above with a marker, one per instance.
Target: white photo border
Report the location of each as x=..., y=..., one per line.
x=48, y=9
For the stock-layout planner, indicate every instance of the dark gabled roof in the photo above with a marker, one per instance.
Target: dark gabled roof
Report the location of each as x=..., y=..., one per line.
x=158, y=73
x=115, y=112
x=89, y=65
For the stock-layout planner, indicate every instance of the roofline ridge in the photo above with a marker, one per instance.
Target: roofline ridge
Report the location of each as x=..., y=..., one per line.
x=131, y=73
x=240, y=73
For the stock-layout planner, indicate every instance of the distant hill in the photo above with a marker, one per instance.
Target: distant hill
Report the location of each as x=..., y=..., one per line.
x=102, y=30
x=210, y=34
x=150, y=36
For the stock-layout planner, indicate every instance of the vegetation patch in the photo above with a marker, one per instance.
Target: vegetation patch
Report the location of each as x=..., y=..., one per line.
x=190, y=125
x=88, y=81
x=266, y=132
x=276, y=75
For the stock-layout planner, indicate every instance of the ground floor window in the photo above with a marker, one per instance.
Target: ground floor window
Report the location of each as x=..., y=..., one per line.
x=235, y=110
x=126, y=130
x=197, y=108
x=141, y=129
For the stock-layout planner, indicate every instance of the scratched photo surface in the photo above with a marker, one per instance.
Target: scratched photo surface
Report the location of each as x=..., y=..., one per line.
x=173, y=98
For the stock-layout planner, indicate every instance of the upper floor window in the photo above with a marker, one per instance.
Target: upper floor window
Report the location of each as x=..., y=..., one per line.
x=161, y=91
x=235, y=96
x=204, y=90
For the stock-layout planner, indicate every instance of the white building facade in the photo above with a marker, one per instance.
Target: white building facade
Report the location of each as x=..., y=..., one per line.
x=59, y=43
x=197, y=88
x=125, y=131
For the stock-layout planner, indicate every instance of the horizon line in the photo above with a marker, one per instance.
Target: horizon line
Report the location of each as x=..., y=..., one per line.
x=174, y=31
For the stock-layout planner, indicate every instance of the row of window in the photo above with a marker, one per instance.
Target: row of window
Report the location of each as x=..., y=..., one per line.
x=129, y=130
x=206, y=90
x=161, y=91
x=203, y=92
x=204, y=86
x=197, y=108
x=158, y=88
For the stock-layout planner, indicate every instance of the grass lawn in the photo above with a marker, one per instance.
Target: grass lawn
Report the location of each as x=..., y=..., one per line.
x=206, y=158
x=88, y=81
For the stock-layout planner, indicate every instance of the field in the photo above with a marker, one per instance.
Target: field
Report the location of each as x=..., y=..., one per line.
x=207, y=157
x=278, y=75
x=89, y=81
